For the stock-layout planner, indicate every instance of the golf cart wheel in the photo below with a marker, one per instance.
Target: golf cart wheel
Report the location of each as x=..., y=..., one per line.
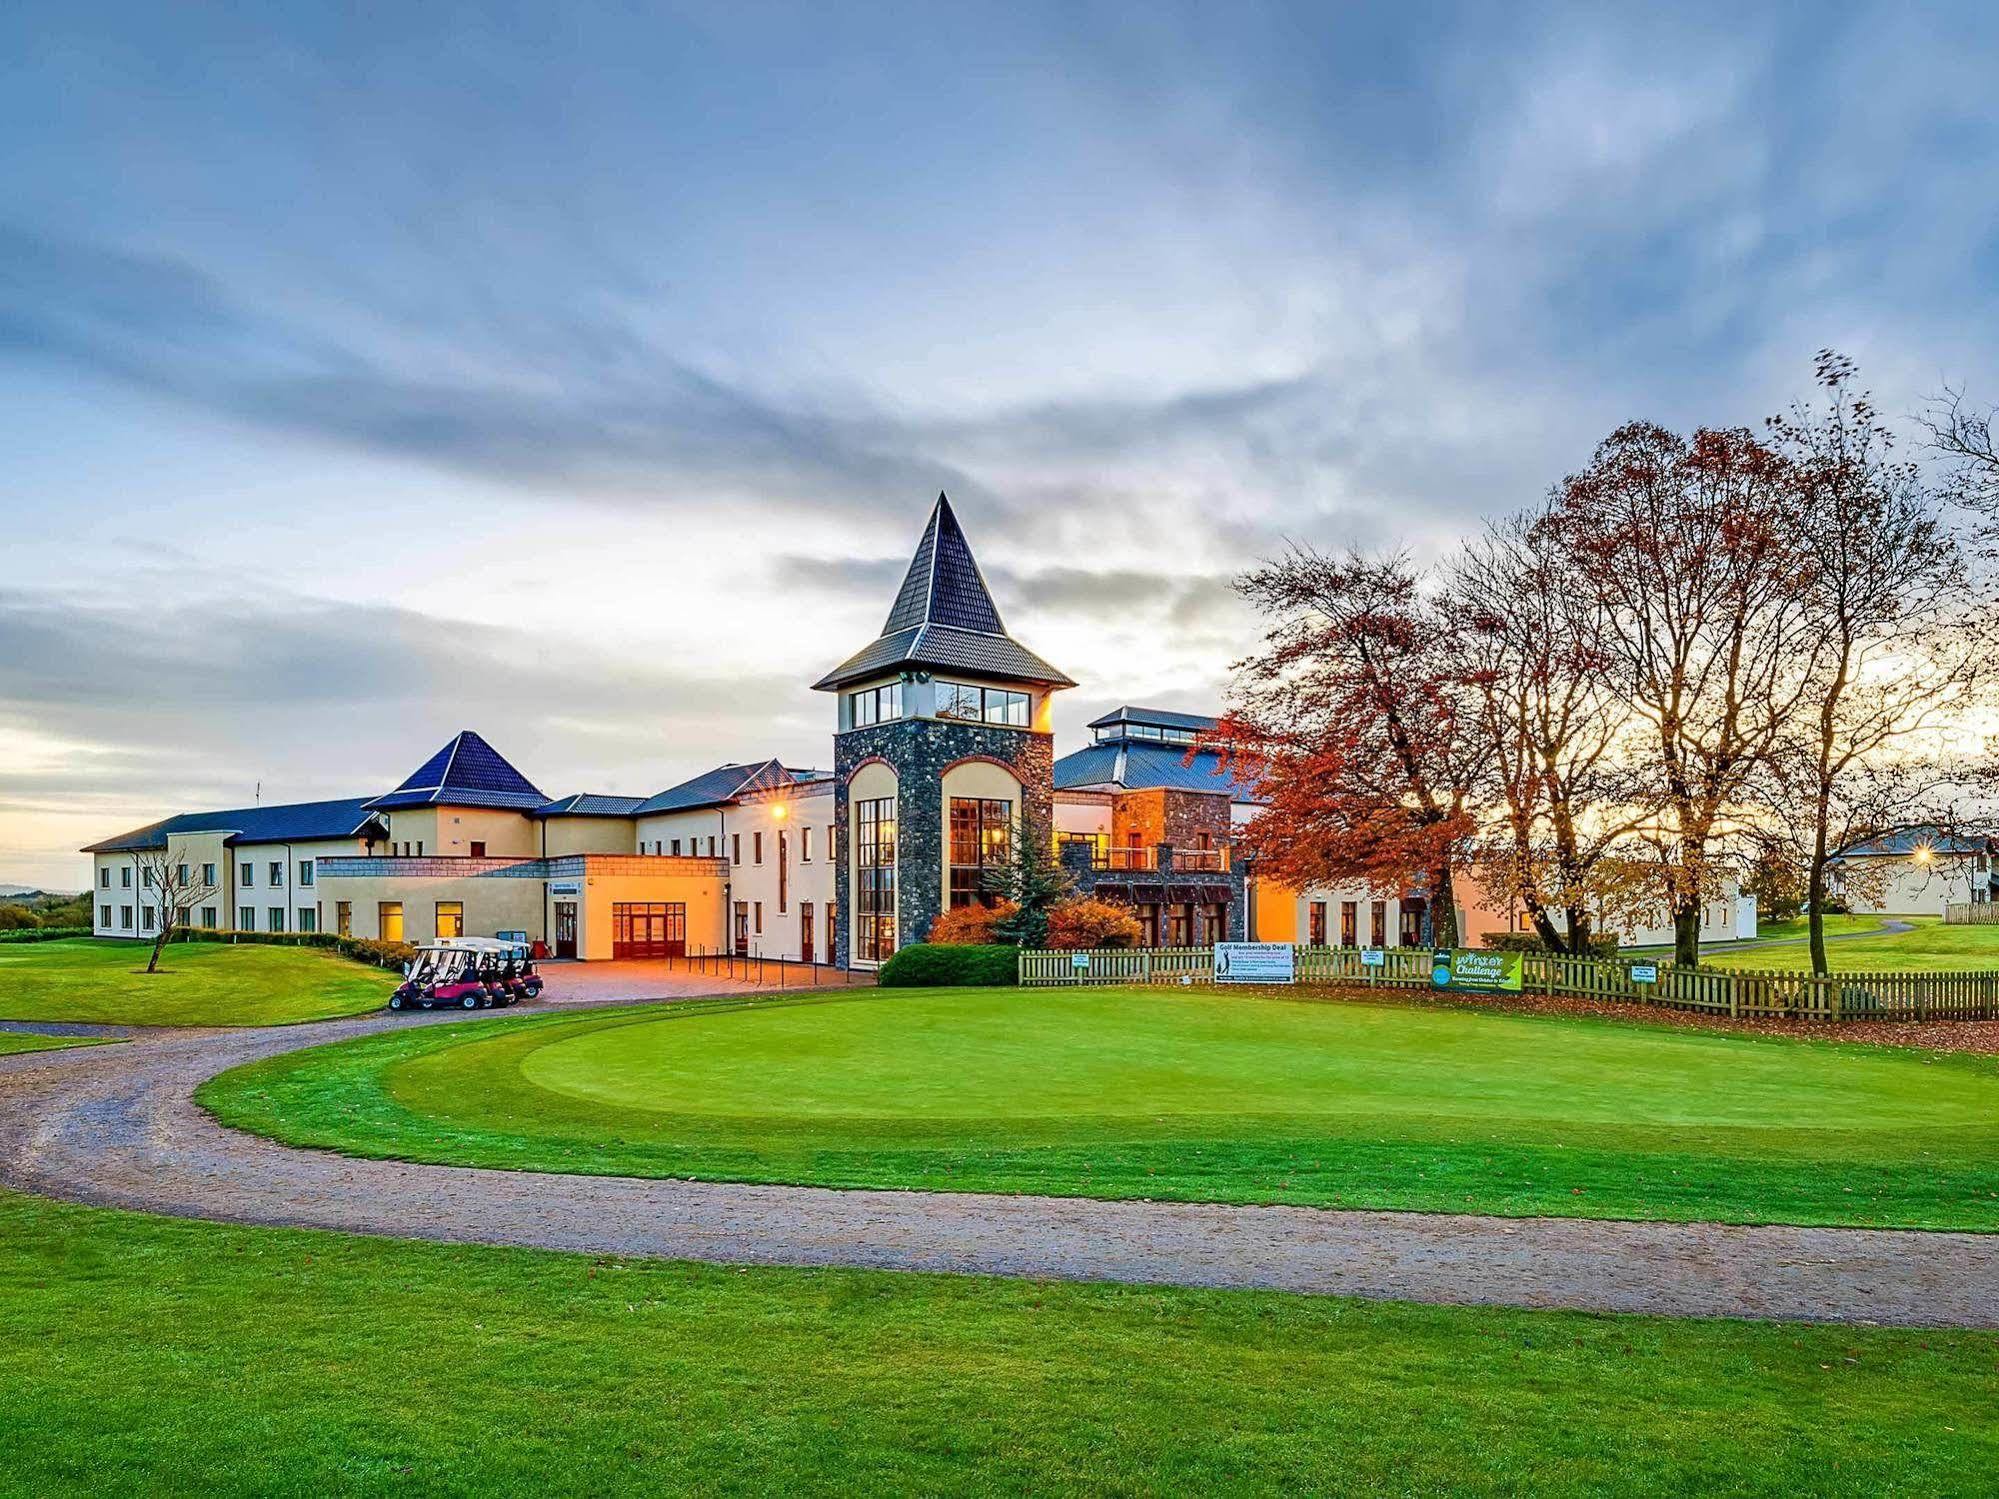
x=470, y=1002
x=395, y=1001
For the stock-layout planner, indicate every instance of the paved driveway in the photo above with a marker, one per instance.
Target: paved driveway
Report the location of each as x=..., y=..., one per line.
x=117, y=1125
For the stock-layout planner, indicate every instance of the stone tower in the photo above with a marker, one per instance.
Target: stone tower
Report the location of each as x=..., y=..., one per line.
x=944, y=740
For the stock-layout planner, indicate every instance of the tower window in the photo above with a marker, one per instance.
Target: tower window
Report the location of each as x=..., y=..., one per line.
x=969, y=704
x=875, y=704
x=874, y=879
x=981, y=839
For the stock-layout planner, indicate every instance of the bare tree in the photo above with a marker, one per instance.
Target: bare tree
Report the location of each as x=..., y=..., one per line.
x=1962, y=433
x=1529, y=638
x=1689, y=547
x=1889, y=609
x=170, y=885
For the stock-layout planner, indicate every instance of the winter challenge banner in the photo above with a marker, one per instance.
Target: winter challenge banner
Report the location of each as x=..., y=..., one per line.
x=1476, y=971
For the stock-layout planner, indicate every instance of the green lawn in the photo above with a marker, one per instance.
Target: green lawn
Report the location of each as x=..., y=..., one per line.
x=1930, y=947
x=1796, y=928
x=14, y=1042
x=199, y=983
x=1189, y=1095
x=150, y=1355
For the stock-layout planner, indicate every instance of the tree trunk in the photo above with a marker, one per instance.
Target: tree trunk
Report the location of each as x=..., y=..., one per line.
x=1579, y=931
x=1687, y=935
x=1443, y=910
x=1815, y=903
x=159, y=943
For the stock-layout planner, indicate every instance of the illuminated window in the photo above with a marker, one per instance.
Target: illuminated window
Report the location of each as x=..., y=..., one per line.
x=451, y=918
x=981, y=840
x=874, y=879
x=389, y=920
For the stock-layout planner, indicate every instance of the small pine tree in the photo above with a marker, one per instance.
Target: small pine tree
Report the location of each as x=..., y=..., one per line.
x=1033, y=879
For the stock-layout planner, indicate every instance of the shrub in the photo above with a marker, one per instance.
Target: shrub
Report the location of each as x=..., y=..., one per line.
x=929, y=964
x=1084, y=921
x=45, y=934
x=968, y=926
x=1601, y=944
x=15, y=918
x=360, y=949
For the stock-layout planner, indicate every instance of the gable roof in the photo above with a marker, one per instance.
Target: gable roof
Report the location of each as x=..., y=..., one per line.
x=718, y=787
x=944, y=616
x=467, y=772
x=297, y=822
x=1905, y=841
x=590, y=804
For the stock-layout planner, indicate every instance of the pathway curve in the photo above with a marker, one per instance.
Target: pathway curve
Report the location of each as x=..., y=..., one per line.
x=117, y=1126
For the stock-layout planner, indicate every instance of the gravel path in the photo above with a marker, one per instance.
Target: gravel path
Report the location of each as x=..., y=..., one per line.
x=117, y=1126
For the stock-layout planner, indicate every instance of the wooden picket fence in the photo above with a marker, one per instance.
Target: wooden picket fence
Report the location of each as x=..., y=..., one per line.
x=1971, y=913
x=1735, y=993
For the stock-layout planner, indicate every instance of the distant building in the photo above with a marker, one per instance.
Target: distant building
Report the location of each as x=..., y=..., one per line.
x=1913, y=872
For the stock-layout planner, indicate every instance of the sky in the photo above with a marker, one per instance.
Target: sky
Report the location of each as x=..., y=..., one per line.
x=584, y=374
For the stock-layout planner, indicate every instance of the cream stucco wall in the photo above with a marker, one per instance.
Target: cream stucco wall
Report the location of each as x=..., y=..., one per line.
x=1904, y=887
x=587, y=835
x=493, y=903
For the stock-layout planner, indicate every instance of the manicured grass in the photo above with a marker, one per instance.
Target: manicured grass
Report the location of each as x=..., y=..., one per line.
x=1797, y=929
x=149, y=1355
x=199, y=983
x=14, y=1042
x=1189, y=1095
x=1930, y=947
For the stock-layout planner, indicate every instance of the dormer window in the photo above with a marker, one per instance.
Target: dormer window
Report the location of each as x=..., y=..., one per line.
x=969, y=704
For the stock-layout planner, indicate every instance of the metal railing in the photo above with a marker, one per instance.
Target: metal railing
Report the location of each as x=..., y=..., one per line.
x=779, y=972
x=1739, y=994
x=1201, y=860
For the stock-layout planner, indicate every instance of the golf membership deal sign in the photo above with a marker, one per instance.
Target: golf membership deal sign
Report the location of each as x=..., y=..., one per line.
x=1476, y=971
x=1254, y=963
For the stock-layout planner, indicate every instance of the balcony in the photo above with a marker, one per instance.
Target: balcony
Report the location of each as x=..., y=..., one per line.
x=1201, y=860
x=1126, y=858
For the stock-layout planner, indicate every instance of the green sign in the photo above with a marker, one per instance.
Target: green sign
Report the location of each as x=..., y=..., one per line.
x=1476, y=971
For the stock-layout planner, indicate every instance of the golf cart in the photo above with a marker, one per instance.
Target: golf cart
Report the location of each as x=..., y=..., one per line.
x=467, y=973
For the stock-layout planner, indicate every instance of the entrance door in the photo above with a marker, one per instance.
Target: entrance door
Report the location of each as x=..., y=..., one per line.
x=649, y=929
x=565, y=929
x=742, y=929
x=805, y=932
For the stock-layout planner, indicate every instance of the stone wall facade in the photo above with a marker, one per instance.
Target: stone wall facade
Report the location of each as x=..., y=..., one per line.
x=918, y=750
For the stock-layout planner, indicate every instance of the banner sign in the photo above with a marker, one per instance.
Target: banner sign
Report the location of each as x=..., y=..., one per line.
x=1254, y=963
x=1644, y=973
x=1476, y=971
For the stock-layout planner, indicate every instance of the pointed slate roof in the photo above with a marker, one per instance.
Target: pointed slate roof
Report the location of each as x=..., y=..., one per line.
x=944, y=616
x=467, y=772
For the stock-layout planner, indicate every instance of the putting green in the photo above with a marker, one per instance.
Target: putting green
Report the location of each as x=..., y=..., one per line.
x=1143, y=1093
x=1040, y=1056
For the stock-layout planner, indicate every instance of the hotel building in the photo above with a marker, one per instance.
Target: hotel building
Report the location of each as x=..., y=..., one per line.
x=942, y=753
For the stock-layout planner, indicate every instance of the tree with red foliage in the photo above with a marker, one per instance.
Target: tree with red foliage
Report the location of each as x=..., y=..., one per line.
x=1357, y=726
x=1691, y=549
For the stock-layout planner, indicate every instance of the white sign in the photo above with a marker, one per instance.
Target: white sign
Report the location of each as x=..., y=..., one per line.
x=1080, y=962
x=1644, y=973
x=565, y=887
x=1253, y=963
x=1373, y=957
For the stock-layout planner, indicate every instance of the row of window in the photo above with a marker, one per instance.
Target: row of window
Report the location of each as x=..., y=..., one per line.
x=955, y=700
x=206, y=918
x=1111, y=733
x=1410, y=933
x=246, y=875
x=671, y=847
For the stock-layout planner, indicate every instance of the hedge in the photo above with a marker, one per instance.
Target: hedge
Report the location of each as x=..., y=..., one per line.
x=361, y=949
x=44, y=933
x=931, y=965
